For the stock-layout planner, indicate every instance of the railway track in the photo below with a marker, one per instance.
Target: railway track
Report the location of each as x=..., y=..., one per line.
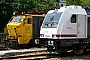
x=39, y=54
x=28, y=54
x=24, y=54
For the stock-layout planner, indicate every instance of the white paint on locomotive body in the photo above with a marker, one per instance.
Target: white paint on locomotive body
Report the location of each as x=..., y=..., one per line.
x=68, y=22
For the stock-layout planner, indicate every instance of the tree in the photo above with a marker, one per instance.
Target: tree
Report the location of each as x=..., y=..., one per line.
x=7, y=7
x=5, y=13
x=73, y=2
x=78, y=2
x=85, y=2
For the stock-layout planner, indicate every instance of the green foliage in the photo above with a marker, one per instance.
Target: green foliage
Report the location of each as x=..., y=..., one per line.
x=78, y=2
x=73, y=2
x=8, y=6
x=29, y=5
x=85, y=3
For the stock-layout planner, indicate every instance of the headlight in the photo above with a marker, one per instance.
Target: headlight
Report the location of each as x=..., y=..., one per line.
x=50, y=43
x=36, y=41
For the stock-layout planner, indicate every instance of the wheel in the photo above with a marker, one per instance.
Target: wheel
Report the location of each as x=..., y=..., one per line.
x=14, y=45
x=78, y=50
x=6, y=44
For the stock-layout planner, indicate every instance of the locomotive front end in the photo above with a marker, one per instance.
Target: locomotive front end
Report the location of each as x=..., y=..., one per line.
x=49, y=31
x=13, y=27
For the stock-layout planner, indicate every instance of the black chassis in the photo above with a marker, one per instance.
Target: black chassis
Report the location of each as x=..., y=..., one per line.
x=63, y=45
x=11, y=43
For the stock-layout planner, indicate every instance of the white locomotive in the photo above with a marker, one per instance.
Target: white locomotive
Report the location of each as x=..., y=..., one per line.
x=66, y=29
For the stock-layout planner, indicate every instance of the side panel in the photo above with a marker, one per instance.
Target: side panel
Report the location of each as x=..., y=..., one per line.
x=81, y=26
x=24, y=40
x=69, y=27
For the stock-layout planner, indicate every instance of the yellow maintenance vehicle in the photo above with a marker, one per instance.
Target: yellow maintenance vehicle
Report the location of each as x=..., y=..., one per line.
x=22, y=29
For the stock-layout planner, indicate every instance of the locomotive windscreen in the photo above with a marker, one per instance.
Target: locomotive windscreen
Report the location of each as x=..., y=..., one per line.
x=16, y=18
x=51, y=20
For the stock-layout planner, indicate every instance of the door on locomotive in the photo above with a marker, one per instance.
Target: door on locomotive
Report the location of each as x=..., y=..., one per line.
x=81, y=26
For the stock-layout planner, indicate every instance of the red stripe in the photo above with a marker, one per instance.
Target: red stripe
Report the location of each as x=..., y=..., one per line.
x=68, y=35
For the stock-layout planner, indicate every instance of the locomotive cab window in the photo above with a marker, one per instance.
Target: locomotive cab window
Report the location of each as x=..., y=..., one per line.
x=73, y=19
x=29, y=20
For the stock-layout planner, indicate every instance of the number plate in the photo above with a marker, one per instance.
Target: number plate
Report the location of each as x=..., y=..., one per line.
x=48, y=35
